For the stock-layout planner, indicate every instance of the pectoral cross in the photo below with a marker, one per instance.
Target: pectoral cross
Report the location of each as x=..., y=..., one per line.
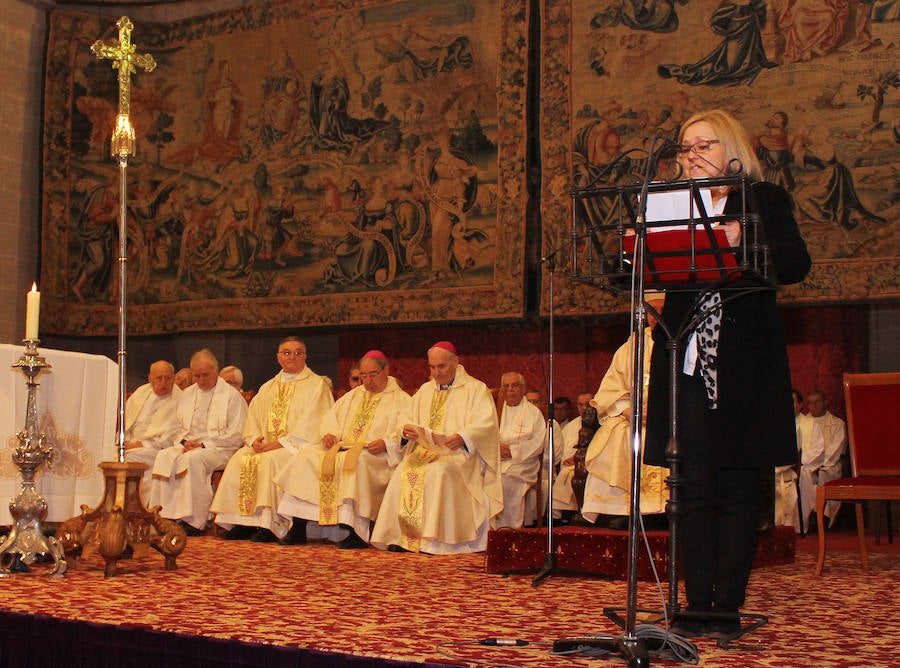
x=126, y=61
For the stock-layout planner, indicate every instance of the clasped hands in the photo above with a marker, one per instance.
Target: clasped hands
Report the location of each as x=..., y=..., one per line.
x=375, y=447
x=259, y=445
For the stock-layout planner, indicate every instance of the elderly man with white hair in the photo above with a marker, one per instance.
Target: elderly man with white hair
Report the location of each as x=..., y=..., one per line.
x=522, y=435
x=443, y=495
x=150, y=423
x=210, y=416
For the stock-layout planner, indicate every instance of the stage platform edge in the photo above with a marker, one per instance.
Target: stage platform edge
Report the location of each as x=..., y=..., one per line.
x=604, y=552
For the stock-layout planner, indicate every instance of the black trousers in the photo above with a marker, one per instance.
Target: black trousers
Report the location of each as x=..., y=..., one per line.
x=720, y=508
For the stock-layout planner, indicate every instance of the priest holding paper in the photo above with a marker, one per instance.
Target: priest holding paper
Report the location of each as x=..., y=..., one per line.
x=339, y=483
x=443, y=495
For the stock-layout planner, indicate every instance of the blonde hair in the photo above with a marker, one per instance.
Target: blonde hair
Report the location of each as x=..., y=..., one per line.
x=732, y=134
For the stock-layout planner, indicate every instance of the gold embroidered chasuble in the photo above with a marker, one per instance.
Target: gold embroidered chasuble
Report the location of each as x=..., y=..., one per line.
x=288, y=408
x=276, y=427
x=465, y=408
x=353, y=442
x=608, y=458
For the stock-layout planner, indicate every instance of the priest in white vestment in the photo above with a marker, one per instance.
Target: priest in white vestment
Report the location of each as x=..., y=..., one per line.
x=339, y=483
x=443, y=495
x=210, y=416
x=150, y=423
x=824, y=439
x=282, y=420
x=609, y=456
x=522, y=435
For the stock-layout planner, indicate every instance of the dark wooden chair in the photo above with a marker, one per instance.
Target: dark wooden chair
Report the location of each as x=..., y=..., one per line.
x=872, y=400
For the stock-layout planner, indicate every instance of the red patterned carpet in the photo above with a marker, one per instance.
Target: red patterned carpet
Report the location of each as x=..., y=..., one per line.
x=417, y=608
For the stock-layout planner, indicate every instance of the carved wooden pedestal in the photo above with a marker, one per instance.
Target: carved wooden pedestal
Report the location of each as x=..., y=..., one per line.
x=121, y=522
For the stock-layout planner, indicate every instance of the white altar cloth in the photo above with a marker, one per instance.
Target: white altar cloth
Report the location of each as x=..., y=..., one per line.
x=76, y=403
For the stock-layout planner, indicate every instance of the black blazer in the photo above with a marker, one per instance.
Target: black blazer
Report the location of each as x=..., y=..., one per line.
x=754, y=421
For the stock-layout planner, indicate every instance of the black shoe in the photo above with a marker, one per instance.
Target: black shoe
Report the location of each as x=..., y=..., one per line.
x=619, y=523
x=396, y=548
x=297, y=533
x=263, y=535
x=191, y=530
x=238, y=532
x=352, y=542
x=688, y=628
x=723, y=630
x=656, y=522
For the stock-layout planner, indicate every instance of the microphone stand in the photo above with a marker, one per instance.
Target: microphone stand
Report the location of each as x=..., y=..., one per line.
x=628, y=646
x=550, y=554
x=549, y=567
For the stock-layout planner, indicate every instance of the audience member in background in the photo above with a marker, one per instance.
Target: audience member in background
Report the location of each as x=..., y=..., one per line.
x=522, y=435
x=565, y=504
x=235, y=377
x=445, y=492
x=150, y=423
x=210, y=416
x=824, y=441
x=609, y=456
x=535, y=397
x=338, y=484
x=562, y=411
x=283, y=418
x=787, y=511
x=184, y=378
x=353, y=381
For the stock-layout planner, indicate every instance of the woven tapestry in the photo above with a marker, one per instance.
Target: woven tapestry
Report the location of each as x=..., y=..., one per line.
x=297, y=165
x=816, y=84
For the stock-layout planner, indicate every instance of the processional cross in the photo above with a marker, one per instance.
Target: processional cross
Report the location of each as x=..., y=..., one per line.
x=126, y=61
x=121, y=518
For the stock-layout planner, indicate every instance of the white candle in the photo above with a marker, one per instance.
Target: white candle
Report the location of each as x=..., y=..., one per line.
x=32, y=312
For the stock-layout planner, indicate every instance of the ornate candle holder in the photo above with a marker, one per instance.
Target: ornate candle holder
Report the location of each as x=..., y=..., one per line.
x=26, y=539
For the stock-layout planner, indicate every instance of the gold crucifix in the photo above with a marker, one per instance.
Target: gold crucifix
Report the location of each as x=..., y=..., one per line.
x=124, y=59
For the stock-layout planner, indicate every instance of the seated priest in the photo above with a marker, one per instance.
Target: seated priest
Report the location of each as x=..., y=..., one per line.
x=210, y=416
x=150, y=422
x=609, y=457
x=235, y=377
x=283, y=419
x=565, y=503
x=446, y=490
x=184, y=378
x=338, y=484
x=823, y=437
x=522, y=435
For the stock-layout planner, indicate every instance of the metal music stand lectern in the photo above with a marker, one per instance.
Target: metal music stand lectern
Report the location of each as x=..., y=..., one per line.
x=615, y=248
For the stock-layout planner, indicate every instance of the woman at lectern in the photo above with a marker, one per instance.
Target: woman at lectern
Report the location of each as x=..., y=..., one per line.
x=735, y=417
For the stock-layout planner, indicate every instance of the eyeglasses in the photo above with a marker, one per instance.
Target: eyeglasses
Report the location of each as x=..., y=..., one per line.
x=700, y=147
x=292, y=353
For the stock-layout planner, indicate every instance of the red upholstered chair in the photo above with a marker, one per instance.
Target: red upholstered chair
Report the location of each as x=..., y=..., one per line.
x=872, y=400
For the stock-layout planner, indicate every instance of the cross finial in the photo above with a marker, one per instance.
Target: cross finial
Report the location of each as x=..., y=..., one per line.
x=124, y=59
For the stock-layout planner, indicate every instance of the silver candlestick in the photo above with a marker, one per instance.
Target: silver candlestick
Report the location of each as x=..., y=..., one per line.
x=26, y=539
